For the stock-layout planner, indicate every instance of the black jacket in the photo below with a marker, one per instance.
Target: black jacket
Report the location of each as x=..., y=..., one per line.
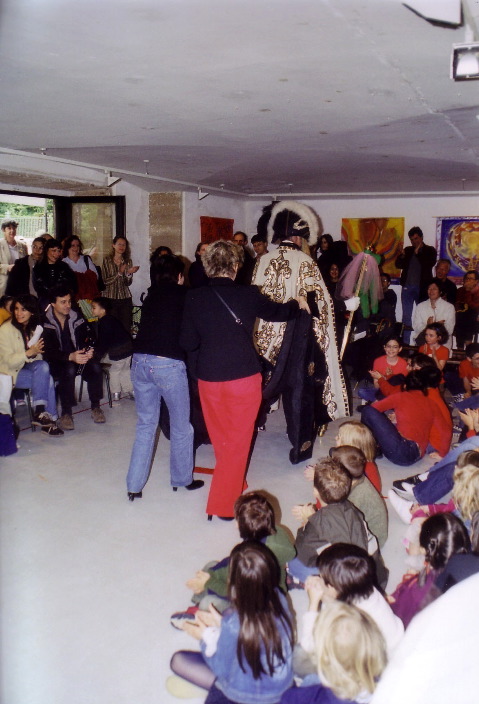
x=219, y=349
x=18, y=282
x=427, y=256
x=160, y=324
x=46, y=276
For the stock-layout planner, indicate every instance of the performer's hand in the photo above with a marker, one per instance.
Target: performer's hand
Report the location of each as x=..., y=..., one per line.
x=303, y=303
x=352, y=304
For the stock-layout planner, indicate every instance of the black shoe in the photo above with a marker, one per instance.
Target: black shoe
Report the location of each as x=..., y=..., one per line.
x=404, y=487
x=132, y=495
x=195, y=484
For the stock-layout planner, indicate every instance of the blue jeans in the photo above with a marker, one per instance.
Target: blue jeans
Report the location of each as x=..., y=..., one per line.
x=36, y=376
x=440, y=481
x=395, y=448
x=155, y=378
x=299, y=570
x=409, y=296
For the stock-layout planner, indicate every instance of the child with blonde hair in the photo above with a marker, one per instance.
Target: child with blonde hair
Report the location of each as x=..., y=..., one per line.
x=350, y=655
x=356, y=434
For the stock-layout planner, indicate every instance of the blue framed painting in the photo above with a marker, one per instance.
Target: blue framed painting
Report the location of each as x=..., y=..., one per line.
x=457, y=239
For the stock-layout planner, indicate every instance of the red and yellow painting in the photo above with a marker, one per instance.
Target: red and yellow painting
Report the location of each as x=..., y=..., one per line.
x=385, y=234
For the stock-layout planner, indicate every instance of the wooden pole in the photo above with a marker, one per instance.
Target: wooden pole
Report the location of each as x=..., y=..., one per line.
x=347, y=331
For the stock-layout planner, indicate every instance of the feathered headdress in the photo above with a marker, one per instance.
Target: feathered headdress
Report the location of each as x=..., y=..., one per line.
x=290, y=218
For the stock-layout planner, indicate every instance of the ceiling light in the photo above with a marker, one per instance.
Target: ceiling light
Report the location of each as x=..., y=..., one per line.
x=201, y=195
x=465, y=61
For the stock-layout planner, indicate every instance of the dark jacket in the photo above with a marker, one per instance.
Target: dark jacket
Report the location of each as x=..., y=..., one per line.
x=112, y=338
x=218, y=348
x=427, y=256
x=46, y=276
x=160, y=324
x=80, y=335
x=196, y=274
x=334, y=523
x=245, y=272
x=18, y=282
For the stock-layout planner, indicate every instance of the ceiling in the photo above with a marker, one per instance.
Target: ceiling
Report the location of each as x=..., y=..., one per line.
x=247, y=96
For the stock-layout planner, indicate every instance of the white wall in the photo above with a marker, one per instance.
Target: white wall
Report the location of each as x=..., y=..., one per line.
x=212, y=206
x=137, y=232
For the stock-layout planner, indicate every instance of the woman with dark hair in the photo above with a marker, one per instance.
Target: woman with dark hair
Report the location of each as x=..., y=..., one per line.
x=85, y=272
x=441, y=536
x=117, y=272
x=158, y=371
x=246, y=653
x=217, y=334
x=196, y=274
x=324, y=254
x=52, y=272
x=21, y=347
x=407, y=441
x=434, y=310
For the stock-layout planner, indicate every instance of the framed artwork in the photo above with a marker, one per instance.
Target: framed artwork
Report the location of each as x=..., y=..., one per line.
x=457, y=239
x=386, y=234
x=213, y=229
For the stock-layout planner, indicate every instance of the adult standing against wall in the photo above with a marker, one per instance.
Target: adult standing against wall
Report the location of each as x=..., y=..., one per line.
x=10, y=251
x=117, y=272
x=416, y=263
x=51, y=272
x=217, y=333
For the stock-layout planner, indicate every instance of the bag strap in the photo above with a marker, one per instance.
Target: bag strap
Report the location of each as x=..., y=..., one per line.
x=237, y=320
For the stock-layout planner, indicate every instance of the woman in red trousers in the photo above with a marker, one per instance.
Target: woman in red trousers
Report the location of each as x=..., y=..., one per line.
x=217, y=334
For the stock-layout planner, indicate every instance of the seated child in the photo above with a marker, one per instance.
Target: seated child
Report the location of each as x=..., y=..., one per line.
x=336, y=521
x=5, y=308
x=350, y=655
x=347, y=574
x=387, y=367
x=469, y=376
x=363, y=495
x=357, y=435
x=464, y=501
x=113, y=346
x=246, y=653
x=255, y=518
x=441, y=536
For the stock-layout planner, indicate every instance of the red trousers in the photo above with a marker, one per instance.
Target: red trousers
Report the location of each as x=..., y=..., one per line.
x=230, y=409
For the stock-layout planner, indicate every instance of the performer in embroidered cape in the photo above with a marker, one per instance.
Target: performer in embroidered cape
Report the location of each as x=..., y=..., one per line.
x=302, y=354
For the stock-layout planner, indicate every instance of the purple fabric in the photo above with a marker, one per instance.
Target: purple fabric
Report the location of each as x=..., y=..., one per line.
x=410, y=597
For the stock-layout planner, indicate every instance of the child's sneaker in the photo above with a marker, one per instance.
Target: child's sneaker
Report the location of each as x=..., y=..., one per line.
x=179, y=617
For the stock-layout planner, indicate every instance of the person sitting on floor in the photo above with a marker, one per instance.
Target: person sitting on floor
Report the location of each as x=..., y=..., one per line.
x=113, y=346
x=336, y=521
x=69, y=352
x=255, y=519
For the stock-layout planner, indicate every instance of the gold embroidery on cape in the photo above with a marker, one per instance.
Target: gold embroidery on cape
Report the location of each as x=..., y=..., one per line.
x=305, y=445
x=276, y=274
x=311, y=369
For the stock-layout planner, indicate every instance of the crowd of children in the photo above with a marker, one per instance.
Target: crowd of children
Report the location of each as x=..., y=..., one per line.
x=241, y=605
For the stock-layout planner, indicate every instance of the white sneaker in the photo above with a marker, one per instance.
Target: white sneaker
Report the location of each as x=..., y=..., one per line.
x=401, y=506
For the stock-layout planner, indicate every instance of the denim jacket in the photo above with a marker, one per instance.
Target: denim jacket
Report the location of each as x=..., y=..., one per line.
x=239, y=685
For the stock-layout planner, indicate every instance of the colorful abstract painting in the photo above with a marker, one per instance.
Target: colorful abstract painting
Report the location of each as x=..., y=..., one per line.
x=386, y=234
x=458, y=240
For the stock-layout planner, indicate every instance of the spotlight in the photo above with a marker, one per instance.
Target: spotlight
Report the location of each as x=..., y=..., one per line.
x=465, y=62
x=202, y=194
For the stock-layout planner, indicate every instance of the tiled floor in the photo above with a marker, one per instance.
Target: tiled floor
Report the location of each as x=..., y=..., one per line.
x=89, y=579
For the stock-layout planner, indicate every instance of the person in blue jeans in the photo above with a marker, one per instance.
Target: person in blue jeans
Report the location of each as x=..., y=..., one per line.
x=21, y=347
x=158, y=372
x=430, y=487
